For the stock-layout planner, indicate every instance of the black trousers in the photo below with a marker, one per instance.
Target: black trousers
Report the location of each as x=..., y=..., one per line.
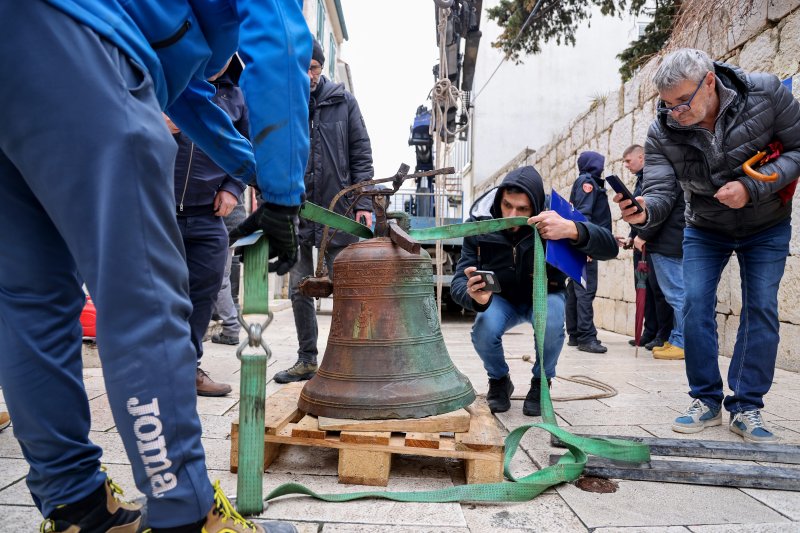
x=579, y=309
x=658, y=317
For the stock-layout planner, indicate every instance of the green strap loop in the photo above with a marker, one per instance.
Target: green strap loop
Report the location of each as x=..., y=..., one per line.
x=569, y=467
x=313, y=212
x=467, y=229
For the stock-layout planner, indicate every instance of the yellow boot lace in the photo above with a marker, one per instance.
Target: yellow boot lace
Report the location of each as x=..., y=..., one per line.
x=225, y=509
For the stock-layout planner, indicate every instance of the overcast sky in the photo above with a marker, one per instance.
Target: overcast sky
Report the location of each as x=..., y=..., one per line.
x=391, y=51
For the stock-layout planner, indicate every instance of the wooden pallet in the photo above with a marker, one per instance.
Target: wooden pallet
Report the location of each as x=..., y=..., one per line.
x=365, y=455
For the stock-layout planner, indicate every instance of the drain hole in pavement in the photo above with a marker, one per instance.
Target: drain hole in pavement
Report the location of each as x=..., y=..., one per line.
x=596, y=484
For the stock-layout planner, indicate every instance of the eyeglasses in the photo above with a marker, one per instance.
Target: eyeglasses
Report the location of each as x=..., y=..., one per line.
x=315, y=69
x=680, y=108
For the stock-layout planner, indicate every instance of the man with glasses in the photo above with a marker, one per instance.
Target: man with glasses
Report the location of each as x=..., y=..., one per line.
x=712, y=117
x=340, y=156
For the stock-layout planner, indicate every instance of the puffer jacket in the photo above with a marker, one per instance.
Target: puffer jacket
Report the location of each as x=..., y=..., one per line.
x=341, y=155
x=510, y=254
x=762, y=111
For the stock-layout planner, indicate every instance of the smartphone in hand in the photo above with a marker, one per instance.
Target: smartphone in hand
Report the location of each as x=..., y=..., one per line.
x=620, y=188
x=489, y=278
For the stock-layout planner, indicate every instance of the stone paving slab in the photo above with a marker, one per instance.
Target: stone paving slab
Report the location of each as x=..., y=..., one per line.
x=651, y=393
x=675, y=504
x=547, y=512
x=371, y=512
x=370, y=528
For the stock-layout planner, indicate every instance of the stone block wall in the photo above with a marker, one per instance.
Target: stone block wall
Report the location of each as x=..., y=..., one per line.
x=767, y=39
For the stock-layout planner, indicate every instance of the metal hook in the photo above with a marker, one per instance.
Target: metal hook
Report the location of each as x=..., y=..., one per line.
x=255, y=335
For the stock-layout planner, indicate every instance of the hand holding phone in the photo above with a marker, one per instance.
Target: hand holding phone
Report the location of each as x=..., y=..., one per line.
x=620, y=188
x=489, y=278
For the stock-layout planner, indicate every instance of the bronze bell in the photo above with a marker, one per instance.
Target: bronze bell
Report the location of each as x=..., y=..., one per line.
x=385, y=357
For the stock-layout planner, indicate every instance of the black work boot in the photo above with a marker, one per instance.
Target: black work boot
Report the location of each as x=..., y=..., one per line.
x=100, y=511
x=499, y=395
x=300, y=371
x=532, y=405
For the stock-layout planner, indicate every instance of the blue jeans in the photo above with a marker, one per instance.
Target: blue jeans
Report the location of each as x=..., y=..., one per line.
x=762, y=258
x=87, y=188
x=501, y=316
x=669, y=272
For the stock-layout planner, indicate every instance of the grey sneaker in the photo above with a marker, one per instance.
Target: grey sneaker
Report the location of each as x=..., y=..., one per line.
x=696, y=418
x=300, y=371
x=750, y=426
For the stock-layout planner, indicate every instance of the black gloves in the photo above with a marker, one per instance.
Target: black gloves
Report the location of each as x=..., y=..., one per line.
x=280, y=226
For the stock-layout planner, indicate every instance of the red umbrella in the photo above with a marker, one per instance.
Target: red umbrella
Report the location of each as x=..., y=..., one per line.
x=640, y=275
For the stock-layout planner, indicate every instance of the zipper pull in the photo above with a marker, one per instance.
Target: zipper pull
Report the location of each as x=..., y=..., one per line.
x=514, y=255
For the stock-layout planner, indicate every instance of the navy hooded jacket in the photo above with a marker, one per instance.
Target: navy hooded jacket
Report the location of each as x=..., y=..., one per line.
x=510, y=254
x=588, y=193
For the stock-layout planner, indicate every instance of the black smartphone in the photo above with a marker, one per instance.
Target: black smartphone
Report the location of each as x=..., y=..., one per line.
x=490, y=279
x=620, y=187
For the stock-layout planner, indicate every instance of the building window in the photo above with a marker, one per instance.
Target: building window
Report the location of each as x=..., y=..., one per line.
x=332, y=58
x=320, y=21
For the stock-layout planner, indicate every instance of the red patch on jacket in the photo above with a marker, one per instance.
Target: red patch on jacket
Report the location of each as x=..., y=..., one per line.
x=587, y=188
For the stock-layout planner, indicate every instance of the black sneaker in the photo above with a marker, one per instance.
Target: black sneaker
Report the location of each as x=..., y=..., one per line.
x=655, y=343
x=572, y=341
x=642, y=341
x=100, y=511
x=300, y=371
x=532, y=405
x=221, y=338
x=592, y=347
x=499, y=395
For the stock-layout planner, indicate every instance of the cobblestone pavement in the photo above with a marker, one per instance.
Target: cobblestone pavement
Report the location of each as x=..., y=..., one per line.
x=650, y=394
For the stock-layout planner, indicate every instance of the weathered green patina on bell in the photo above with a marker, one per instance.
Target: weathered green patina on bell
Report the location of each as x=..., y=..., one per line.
x=385, y=357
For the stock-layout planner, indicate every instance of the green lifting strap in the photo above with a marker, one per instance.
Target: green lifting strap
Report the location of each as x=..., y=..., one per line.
x=569, y=467
x=253, y=386
x=467, y=229
x=313, y=212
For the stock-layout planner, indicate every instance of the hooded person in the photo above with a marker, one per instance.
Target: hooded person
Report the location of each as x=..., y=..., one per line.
x=509, y=255
x=588, y=196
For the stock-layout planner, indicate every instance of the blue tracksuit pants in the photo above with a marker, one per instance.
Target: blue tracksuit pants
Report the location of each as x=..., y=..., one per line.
x=86, y=188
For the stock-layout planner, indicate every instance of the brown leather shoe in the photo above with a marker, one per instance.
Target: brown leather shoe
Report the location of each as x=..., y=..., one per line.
x=5, y=420
x=208, y=387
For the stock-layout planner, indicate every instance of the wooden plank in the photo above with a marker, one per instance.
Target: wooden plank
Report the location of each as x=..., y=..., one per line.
x=365, y=437
x=696, y=473
x=364, y=467
x=484, y=430
x=281, y=407
x=713, y=449
x=307, y=428
x=422, y=440
x=396, y=445
x=478, y=471
x=271, y=450
x=457, y=421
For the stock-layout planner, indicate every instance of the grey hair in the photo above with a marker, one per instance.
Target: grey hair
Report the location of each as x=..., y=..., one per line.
x=681, y=65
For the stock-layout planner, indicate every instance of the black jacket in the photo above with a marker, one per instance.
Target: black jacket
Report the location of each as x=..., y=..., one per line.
x=197, y=177
x=510, y=254
x=665, y=238
x=762, y=111
x=340, y=156
x=588, y=194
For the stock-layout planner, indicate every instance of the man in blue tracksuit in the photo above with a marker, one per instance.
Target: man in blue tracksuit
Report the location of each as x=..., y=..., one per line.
x=588, y=196
x=86, y=180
